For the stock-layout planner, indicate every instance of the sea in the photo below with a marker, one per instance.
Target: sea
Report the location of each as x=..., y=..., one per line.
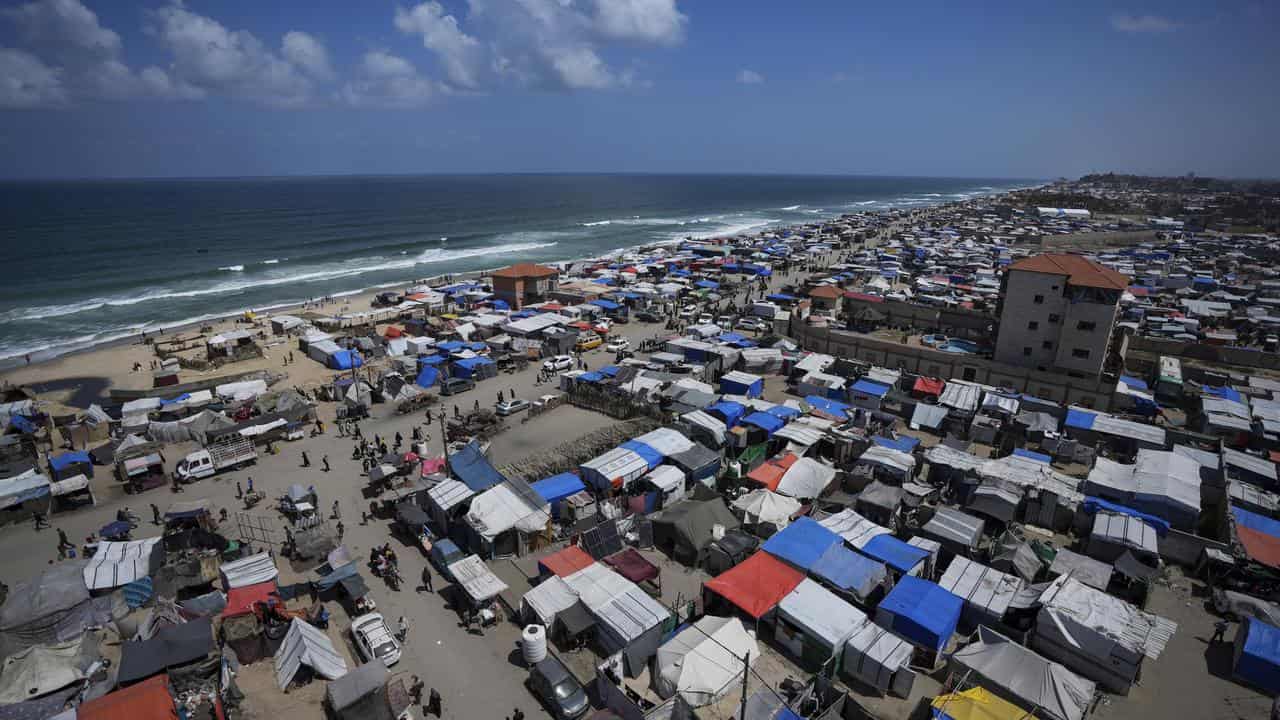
x=91, y=262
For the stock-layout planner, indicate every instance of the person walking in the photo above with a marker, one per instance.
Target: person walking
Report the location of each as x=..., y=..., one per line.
x=155, y=515
x=402, y=629
x=517, y=714
x=41, y=520
x=1219, y=632
x=325, y=461
x=416, y=687
x=239, y=490
x=435, y=705
x=249, y=482
x=306, y=461
x=341, y=530
x=337, y=513
x=63, y=544
x=426, y=579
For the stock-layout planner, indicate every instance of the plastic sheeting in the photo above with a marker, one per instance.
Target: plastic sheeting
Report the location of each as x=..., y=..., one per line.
x=757, y=584
x=921, y=612
x=806, y=478
x=476, y=578
x=896, y=461
x=258, y=568
x=1100, y=627
x=500, y=508
x=873, y=654
x=1257, y=660
x=821, y=614
x=306, y=645
x=704, y=663
x=120, y=563
x=474, y=469
x=801, y=543
x=666, y=441
x=763, y=506
x=954, y=526
x=449, y=493
x=549, y=598
x=30, y=485
x=848, y=571
x=614, y=469
x=42, y=669
x=1040, y=683
x=713, y=425
x=853, y=528
x=986, y=590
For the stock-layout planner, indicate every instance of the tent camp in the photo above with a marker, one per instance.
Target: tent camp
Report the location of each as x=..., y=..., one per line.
x=629, y=619
x=757, y=584
x=704, y=662
x=814, y=623
x=1019, y=674
x=251, y=570
x=921, y=612
x=685, y=529
x=1256, y=655
x=120, y=563
x=306, y=645
x=879, y=659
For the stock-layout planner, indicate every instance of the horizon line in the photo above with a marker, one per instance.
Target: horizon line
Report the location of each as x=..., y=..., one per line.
x=533, y=173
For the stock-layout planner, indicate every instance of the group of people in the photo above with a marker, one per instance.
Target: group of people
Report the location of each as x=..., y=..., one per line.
x=384, y=562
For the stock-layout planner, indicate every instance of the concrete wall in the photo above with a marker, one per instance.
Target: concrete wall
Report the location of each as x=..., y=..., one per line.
x=1018, y=343
x=1095, y=341
x=1242, y=357
x=1057, y=387
x=955, y=322
x=1185, y=548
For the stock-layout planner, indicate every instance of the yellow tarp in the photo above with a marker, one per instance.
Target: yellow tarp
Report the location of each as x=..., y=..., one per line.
x=976, y=704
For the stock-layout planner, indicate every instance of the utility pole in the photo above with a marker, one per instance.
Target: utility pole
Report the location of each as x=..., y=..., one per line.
x=444, y=438
x=746, y=670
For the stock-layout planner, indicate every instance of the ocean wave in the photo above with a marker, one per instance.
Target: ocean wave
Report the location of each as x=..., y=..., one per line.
x=790, y=207
x=728, y=229
x=272, y=261
x=596, y=223
x=233, y=268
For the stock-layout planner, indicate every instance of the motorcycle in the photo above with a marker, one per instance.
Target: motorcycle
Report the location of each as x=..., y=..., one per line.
x=253, y=497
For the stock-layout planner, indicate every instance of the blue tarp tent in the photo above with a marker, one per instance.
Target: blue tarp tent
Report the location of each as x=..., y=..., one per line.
x=469, y=367
x=728, y=411
x=921, y=612
x=740, y=383
x=1082, y=419
x=782, y=297
x=707, y=284
x=345, y=360
x=609, y=370
x=827, y=406
x=1094, y=505
x=783, y=412
x=473, y=469
x=871, y=387
x=1258, y=660
x=651, y=456
x=1133, y=382
x=427, y=376
x=893, y=552
x=558, y=487
x=1041, y=457
x=451, y=346
x=500, y=304
x=904, y=444
x=801, y=543
x=769, y=423
x=591, y=376
x=67, y=460
x=606, y=305
x=1226, y=393
x=432, y=360
x=339, y=574
x=849, y=571
x=23, y=425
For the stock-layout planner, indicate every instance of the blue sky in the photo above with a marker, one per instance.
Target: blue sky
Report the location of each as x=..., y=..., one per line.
x=122, y=88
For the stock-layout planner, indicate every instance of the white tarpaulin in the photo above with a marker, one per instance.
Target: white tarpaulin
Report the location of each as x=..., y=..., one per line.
x=670, y=480
x=616, y=468
x=821, y=614
x=476, y=578
x=960, y=395
x=985, y=590
x=120, y=563
x=762, y=506
x=704, y=662
x=140, y=406
x=1040, y=683
x=251, y=570
x=75, y=483
x=310, y=646
x=806, y=478
x=449, y=493
x=873, y=655
x=801, y=434
x=20, y=488
x=930, y=416
x=710, y=423
x=855, y=529
x=666, y=441
x=241, y=391
x=549, y=598
x=952, y=458
x=898, y=462
x=41, y=669
x=500, y=509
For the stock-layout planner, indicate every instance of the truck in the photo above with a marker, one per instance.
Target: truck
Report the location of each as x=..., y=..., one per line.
x=223, y=454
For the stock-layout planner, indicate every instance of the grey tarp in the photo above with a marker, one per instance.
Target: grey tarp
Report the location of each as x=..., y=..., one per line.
x=687, y=526
x=43, y=669
x=363, y=694
x=306, y=645
x=47, y=608
x=1010, y=670
x=174, y=645
x=1093, y=573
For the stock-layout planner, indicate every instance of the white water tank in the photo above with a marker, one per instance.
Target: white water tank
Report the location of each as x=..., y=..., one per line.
x=534, y=643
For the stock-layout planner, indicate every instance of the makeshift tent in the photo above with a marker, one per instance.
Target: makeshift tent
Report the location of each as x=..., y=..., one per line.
x=652, y=457
x=120, y=563
x=628, y=618
x=853, y=528
x=30, y=485
x=556, y=488
x=740, y=383
x=171, y=646
x=708, y=424
x=52, y=607
x=39, y=670
x=698, y=463
x=249, y=570
x=801, y=543
x=961, y=530
x=986, y=592
x=762, y=506
x=703, y=663
x=614, y=469
x=805, y=478
x=976, y=703
x=67, y=464
x=814, y=623
x=765, y=421
x=476, y=579
x=565, y=562
x=502, y=508
x=1015, y=672
x=310, y=646
x=837, y=411
x=770, y=472
x=241, y=600
x=1256, y=655
x=848, y=571
x=548, y=599
x=364, y=693
x=921, y=612
x=474, y=469
x=880, y=659
x=148, y=700
x=728, y=411
x=757, y=584
x=1259, y=536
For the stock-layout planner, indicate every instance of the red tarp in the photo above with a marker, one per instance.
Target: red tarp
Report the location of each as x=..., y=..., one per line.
x=631, y=565
x=148, y=700
x=1260, y=546
x=928, y=386
x=757, y=584
x=864, y=297
x=566, y=562
x=770, y=472
x=240, y=600
x=392, y=332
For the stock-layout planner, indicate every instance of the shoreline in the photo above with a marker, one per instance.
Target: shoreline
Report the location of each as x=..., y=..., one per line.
x=43, y=359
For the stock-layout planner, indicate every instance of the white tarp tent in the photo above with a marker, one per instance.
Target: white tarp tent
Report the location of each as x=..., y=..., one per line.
x=310, y=646
x=821, y=614
x=249, y=571
x=666, y=441
x=500, y=509
x=762, y=506
x=120, y=563
x=38, y=670
x=548, y=599
x=616, y=468
x=986, y=591
x=806, y=478
x=1052, y=689
x=241, y=391
x=449, y=493
x=713, y=425
x=670, y=480
x=880, y=659
x=855, y=529
x=896, y=462
x=704, y=662
x=476, y=578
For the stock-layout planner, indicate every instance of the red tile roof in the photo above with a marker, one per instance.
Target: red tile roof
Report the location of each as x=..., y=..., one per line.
x=830, y=292
x=525, y=270
x=1078, y=269
x=865, y=297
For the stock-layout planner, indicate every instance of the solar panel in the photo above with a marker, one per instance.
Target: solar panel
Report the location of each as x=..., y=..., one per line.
x=602, y=540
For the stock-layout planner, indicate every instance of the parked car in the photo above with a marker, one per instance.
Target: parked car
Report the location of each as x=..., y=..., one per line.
x=453, y=386
x=689, y=313
x=374, y=639
x=557, y=363
x=558, y=689
x=588, y=342
x=706, y=319
x=649, y=317
x=618, y=344
x=750, y=323
x=513, y=406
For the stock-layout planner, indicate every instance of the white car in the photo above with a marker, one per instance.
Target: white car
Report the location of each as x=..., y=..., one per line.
x=618, y=345
x=513, y=406
x=374, y=639
x=559, y=362
x=750, y=323
x=706, y=319
x=688, y=313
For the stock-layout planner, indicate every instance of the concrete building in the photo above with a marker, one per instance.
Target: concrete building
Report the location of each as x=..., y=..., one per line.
x=524, y=283
x=1057, y=314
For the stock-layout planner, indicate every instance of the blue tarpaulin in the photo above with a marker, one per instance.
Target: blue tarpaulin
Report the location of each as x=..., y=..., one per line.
x=1133, y=382
x=58, y=463
x=1094, y=505
x=427, y=376
x=681, y=273
x=609, y=370
x=339, y=574
x=651, y=456
x=783, y=412
x=1254, y=521
x=432, y=360
x=500, y=304
x=23, y=425
x=473, y=469
x=729, y=385
x=781, y=297
x=138, y=592
x=558, y=487
x=591, y=376
x=801, y=543
x=605, y=304
x=451, y=346
x=1259, y=661
x=826, y=406
x=1040, y=457
x=707, y=284
x=1082, y=419
x=922, y=612
x=903, y=444
x=176, y=400
x=871, y=387
x=893, y=552
x=769, y=423
x=729, y=411
x=847, y=570
x=345, y=360
x=467, y=367
x=1226, y=393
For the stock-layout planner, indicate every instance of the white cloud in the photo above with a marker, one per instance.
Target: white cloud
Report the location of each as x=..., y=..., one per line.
x=308, y=53
x=653, y=21
x=580, y=68
x=386, y=80
x=214, y=59
x=462, y=56
x=750, y=77
x=1142, y=24
x=26, y=82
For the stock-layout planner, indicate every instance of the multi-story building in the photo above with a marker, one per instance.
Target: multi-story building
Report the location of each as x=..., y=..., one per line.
x=524, y=283
x=1057, y=313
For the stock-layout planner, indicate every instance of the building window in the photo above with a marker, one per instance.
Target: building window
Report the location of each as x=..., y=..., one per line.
x=1054, y=319
x=1039, y=300
x=1033, y=325
x=969, y=374
x=1026, y=352
x=1047, y=344
x=1086, y=325
x=1080, y=353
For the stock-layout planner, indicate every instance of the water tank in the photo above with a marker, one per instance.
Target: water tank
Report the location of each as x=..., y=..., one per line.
x=534, y=643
